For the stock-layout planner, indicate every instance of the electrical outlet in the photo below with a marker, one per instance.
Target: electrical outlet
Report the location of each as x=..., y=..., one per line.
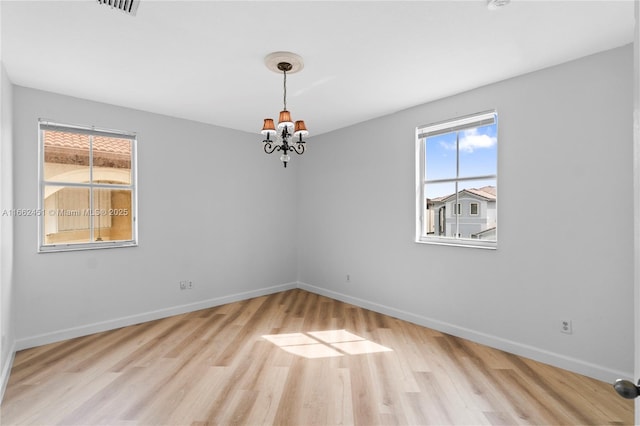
x=189, y=285
x=348, y=278
x=566, y=326
x=183, y=285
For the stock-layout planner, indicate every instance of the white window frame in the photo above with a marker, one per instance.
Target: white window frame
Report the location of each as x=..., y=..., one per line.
x=133, y=187
x=471, y=204
x=422, y=132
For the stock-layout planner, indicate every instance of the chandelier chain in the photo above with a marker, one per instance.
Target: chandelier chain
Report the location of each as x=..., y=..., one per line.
x=285, y=90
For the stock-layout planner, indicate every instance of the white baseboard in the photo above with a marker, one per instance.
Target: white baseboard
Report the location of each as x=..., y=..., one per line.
x=84, y=330
x=558, y=360
x=6, y=370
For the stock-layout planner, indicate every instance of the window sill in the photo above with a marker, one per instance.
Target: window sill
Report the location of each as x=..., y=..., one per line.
x=487, y=245
x=54, y=248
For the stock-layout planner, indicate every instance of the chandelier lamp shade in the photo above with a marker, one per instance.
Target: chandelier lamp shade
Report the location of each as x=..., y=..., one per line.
x=288, y=135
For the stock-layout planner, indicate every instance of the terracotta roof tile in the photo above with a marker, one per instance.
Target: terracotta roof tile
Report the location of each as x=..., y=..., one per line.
x=80, y=142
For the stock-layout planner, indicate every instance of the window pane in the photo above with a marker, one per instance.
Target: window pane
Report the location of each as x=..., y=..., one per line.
x=439, y=215
x=440, y=161
x=66, y=215
x=483, y=224
x=478, y=151
x=112, y=160
x=112, y=214
x=66, y=157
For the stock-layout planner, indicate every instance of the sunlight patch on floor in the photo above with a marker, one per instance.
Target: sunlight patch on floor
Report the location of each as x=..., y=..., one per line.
x=324, y=344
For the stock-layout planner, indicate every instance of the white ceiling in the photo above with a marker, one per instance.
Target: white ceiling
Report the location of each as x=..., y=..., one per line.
x=203, y=60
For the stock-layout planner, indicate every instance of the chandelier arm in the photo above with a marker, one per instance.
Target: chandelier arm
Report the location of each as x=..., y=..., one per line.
x=298, y=148
x=269, y=148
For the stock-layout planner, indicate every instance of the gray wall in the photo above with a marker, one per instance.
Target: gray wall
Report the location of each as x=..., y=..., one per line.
x=210, y=202
x=565, y=142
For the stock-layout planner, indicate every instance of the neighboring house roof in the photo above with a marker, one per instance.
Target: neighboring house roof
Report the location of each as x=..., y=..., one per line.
x=80, y=142
x=486, y=192
x=73, y=148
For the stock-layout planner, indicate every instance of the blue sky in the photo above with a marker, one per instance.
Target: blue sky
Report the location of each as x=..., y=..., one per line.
x=478, y=156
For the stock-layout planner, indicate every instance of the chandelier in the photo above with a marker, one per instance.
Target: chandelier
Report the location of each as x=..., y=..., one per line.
x=287, y=136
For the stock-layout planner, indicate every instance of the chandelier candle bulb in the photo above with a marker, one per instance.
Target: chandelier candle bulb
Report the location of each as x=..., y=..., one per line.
x=283, y=137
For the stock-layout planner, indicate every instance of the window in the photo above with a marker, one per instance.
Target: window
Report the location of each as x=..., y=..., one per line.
x=87, y=188
x=456, y=173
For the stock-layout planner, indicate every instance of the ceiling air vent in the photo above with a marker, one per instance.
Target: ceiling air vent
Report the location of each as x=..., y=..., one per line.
x=127, y=6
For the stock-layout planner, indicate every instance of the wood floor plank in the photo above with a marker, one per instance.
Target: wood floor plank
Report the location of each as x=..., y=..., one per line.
x=294, y=358
x=270, y=388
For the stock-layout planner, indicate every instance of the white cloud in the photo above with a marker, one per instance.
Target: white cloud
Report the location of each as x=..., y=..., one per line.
x=451, y=146
x=471, y=140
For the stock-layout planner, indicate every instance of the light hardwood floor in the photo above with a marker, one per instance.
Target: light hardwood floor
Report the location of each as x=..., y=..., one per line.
x=294, y=358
